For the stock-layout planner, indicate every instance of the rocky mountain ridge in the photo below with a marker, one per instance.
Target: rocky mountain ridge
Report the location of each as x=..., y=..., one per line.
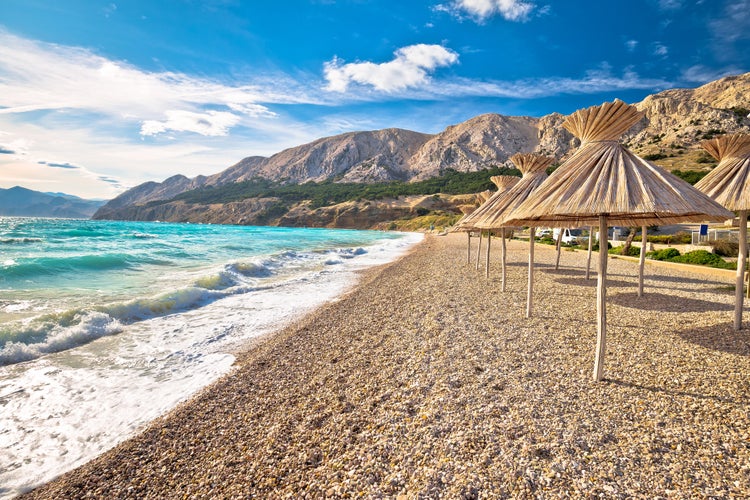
x=675, y=122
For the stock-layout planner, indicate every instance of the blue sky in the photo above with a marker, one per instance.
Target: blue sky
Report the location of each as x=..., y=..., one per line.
x=99, y=96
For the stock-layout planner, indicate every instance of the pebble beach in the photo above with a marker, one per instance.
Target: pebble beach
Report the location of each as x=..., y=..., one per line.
x=427, y=381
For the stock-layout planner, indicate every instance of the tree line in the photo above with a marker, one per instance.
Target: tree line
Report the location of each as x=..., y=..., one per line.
x=329, y=192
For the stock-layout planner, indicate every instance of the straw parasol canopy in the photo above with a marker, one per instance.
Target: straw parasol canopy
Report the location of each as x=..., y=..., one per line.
x=533, y=168
x=503, y=183
x=605, y=182
x=490, y=214
x=466, y=223
x=605, y=178
x=729, y=184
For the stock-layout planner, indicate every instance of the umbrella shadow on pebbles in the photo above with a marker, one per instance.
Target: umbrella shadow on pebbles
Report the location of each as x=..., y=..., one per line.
x=665, y=303
x=591, y=283
x=708, y=281
x=721, y=337
x=677, y=393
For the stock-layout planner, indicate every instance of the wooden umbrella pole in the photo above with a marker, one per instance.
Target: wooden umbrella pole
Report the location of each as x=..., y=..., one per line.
x=479, y=248
x=591, y=245
x=557, y=247
x=741, y=263
x=642, y=262
x=601, y=305
x=468, y=247
x=502, y=258
x=487, y=259
x=530, y=288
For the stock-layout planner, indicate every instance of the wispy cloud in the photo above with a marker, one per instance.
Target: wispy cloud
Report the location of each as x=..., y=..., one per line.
x=703, y=74
x=114, y=182
x=660, y=50
x=58, y=165
x=671, y=4
x=732, y=26
x=210, y=123
x=408, y=69
x=37, y=76
x=631, y=45
x=481, y=10
x=109, y=9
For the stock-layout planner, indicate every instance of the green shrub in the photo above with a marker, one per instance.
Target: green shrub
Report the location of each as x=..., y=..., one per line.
x=595, y=246
x=690, y=176
x=665, y=254
x=704, y=258
x=705, y=158
x=633, y=251
x=679, y=238
x=547, y=241
x=713, y=133
x=654, y=156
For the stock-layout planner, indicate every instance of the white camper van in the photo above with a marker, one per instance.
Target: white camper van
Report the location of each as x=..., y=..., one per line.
x=569, y=236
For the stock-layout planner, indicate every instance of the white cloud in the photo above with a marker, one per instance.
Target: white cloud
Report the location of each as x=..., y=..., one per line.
x=631, y=45
x=109, y=9
x=670, y=4
x=702, y=74
x=733, y=25
x=597, y=80
x=408, y=69
x=37, y=76
x=660, y=50
x=481, y=10
x=212, y=123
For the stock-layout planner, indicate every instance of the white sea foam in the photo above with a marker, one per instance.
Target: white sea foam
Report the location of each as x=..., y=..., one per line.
x=86, y=328
x=64, y=408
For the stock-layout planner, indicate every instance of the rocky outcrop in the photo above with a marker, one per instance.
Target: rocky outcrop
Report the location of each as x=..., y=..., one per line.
x=369, y=214
x=252, y=211
x=476, y=143
x=147, y=192
x=365, y=214
x=238, y=172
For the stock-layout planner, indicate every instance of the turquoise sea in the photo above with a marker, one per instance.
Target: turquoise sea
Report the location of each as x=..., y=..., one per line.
x=105, y=325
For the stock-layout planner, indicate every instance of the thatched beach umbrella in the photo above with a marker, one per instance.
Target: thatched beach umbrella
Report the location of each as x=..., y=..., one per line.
x=462, y=226
x=533, y=167
x=605, y=182
x=729, y=184
x=466, y=223
x=503, y=183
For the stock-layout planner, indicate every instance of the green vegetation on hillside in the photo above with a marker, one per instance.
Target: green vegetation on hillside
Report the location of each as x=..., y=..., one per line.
x=690, y=176
x=438, y=220
x=329, y=193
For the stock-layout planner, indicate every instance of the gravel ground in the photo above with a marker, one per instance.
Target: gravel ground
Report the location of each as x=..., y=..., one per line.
x=426, y=381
